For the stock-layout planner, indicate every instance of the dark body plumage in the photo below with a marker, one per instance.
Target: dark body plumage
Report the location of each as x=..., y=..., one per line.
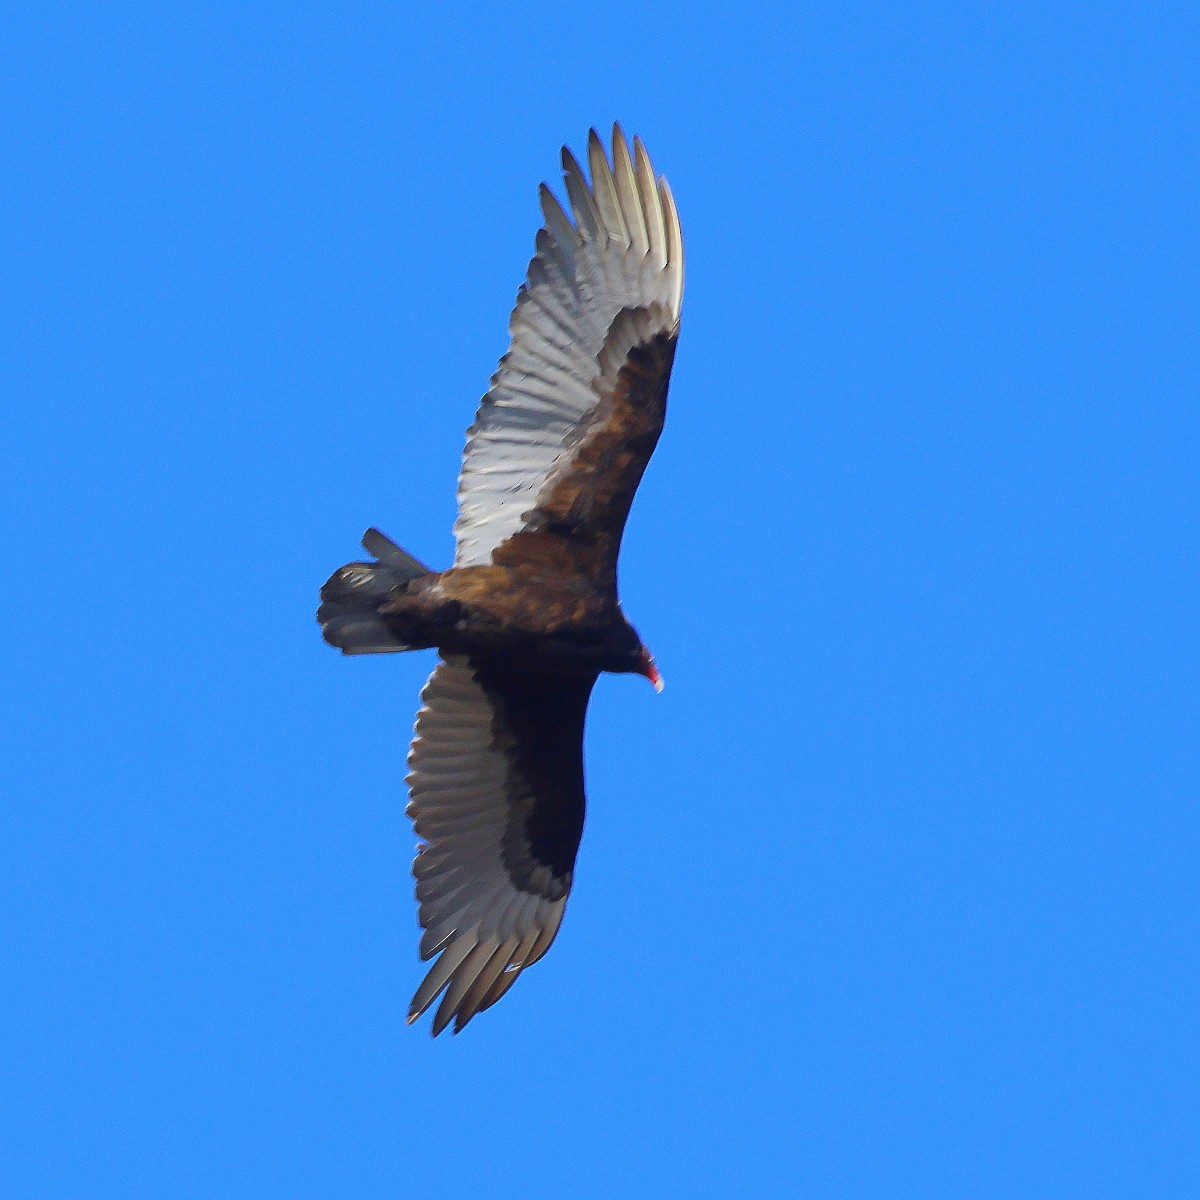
x=529, y=616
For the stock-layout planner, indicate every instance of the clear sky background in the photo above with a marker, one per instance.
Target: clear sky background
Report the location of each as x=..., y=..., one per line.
x=893, y=892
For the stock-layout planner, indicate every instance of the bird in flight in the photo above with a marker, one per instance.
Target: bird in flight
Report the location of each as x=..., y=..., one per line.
x=528, y=616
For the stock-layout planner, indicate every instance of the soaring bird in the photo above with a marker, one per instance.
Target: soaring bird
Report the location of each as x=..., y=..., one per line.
x=528, y=616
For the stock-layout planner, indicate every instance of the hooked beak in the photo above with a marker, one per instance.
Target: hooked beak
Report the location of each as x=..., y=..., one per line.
x=650, y=670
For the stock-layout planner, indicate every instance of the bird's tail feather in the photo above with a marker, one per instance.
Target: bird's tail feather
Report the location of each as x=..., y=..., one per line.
x=350, y=599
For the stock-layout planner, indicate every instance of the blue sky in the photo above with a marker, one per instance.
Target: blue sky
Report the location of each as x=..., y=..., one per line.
x=892, y=892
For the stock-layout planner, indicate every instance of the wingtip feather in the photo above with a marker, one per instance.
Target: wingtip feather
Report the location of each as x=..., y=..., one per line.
x=582, y=204
x=648, y=190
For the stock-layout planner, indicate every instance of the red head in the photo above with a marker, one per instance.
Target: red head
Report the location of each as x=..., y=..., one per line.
x=647, y=668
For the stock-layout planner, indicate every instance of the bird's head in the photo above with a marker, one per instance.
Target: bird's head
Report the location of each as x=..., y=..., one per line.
x=648, y=668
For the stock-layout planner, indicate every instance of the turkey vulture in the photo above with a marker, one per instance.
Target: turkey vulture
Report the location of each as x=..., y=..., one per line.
x=528, y=616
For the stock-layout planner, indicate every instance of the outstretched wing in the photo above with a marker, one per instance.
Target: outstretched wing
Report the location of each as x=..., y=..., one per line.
x=496, y=780
x=576, y=406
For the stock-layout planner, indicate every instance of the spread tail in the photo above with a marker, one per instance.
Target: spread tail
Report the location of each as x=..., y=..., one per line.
x=350, y=599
